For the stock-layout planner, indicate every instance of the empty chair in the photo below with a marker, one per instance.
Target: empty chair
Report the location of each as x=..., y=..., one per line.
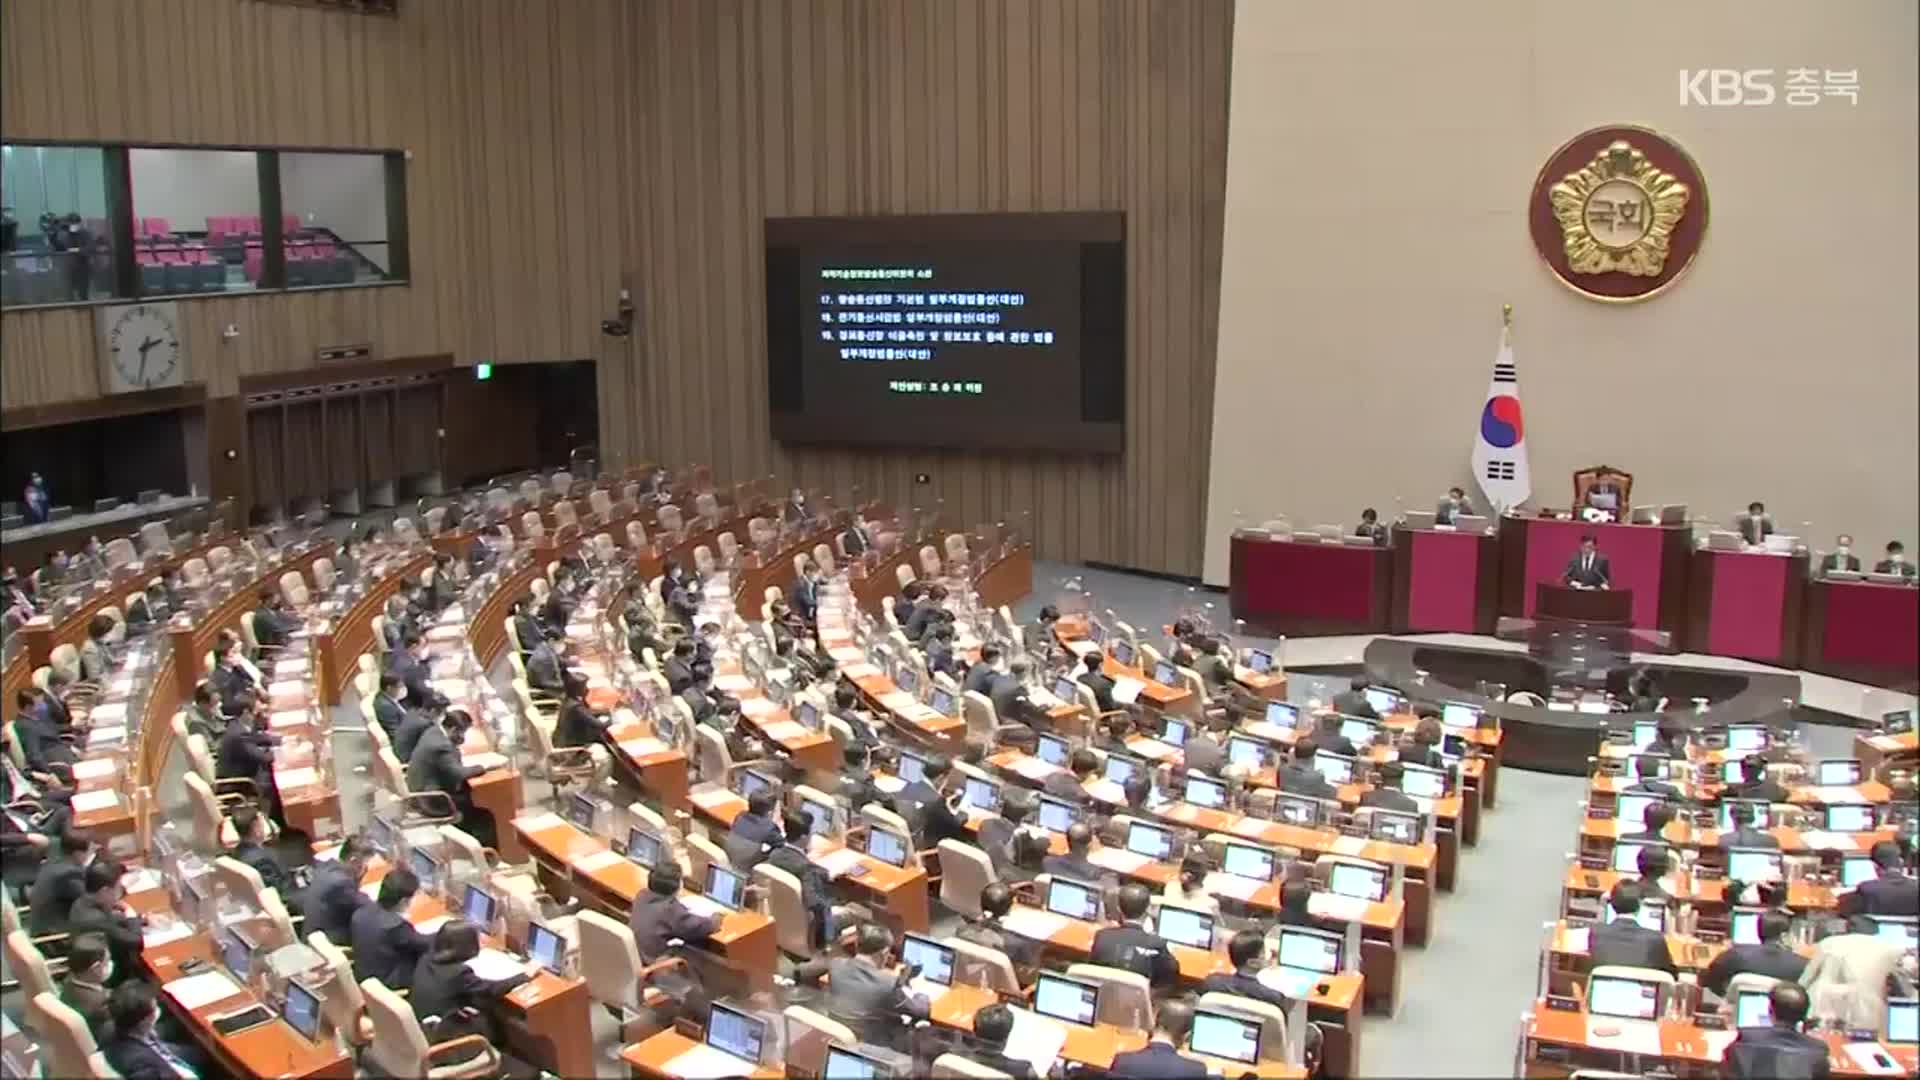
x=219, y=557
x=956, y=545
x=564, y=515
x=636, y=536
x=604, y=550
x=154, y=539
x=562, y=482
x=531, y=526
x=531, y=491
x=120, y=553
x=64, y=1034
x=905, y=576
x=436, y=519
x=964, y=871
x=809, y=1035
x=787, y=907
x=294, y=588
x=323, y=574
x=404, y=531
x=703, y=560
x=956, y=1067
x=194, y=573
x=600, y=503
x=929, y=561
x=823, y=558
x=670, y=519
x=729, y=549
x=706, y=506
x=400, y=1048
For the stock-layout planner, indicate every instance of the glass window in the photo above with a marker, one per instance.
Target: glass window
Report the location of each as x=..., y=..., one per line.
x=54, y=235
x=196, y=220
x=335, y=209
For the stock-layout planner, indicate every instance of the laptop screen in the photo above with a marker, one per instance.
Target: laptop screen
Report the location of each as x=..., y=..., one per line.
x=1259, y=661
x=1626, y=856
x=825, y=817
x=982, y=795
x=1841, y=772
x=1249, y=753
x=848, y=1065
x=1096, y=631
x=1455, y=715
x=1052, y=749
x=1336, y=768
x=753, y=781
x=887, y=846
x=479, y=906
x=808, y=715
x=1383, y=701
x=425, y=867
x=1063, y=688
x=1297, y=810
x=1360, y=731
x=1220, y=1035
x=1056, y=815
x=913, y=767
x=380, y=832
x=1746, y=738
x=1631, y=811
x=724, y=887
x=1165, y=675
x=1247, y=861
x=643, y=847
x=580, y=809
x=1074, y=899
x=1422, y=782
x=1753, y=865
x=1121, y=767
x=1850, y=817
x=1065, y=998
x=1122, y=653
x=1901, y=930
x=934, y=960
x=1627, y=998
x=547, y=948
x=1174, y=732
x=1204, y=791
x=1309, y=950
x=1395, y=827
x=1650, y=915
x=1152, y=841
x=1855, y=869
x=1185, y=926
x=1643, y=733
x=302, y=1011
x=1364, y=882
x=1759, y=808
x=1903, y=1021
x=731, y=1031
x=1746, y=926
x=941, y=701
x=1753, y=1009
x=236, y=954
x=1282, y=714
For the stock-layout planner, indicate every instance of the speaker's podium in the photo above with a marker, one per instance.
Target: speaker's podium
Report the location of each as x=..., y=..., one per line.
x=1564, y=603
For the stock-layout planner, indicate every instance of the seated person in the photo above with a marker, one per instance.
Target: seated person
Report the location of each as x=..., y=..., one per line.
x=1743, y=833
x=387, y=710
x=273, y=624
x=102, y=909
x=677, y=665
x=1385, y=792
x=437, y=766
x=245, y=752
x=1658, y=816
x=84, y=990
x=252, y=850
x=1454, y=505
x=1008, y=692
x=203, y=714
x=984, y=930
x=1130, y=946
x=1353, y=700
x=1299, y=777
x=385, y=944
x=445, y=987
x=857, y=783
x=815, y=892
x=980, y=677
x=1073, y=863
x=1246, y=950
x=1670, y=737
x=1211, y=663
x=939, y=649
x=1774, y=956
x=926, y=612
x=658, y=916
x=643, y=634
x=1756, y=783
x=1206, y=749
x=1895, y=562
x=96, y=660
x=1841, y=559
x=527, y=628
x=410, y=663
x=936, y=811
x=907, y=602
x=1781, y=1049
x=41, y=730
x=865, y=992
x=1161, y=1057
x=1648, y=767
x=1370, y=527
x=577, y=725
x=546, y=671
x=1189, y=889
x=135, y=1049
x=333, y=896
x=1083, y=767
x=1624, y=941
x=754, y=832
x=415, y=724
x=1094, y=679
x=1653, y=865
x=1330, y=739
x=846, y=702
x=997, y=832
x=991, y=1028
x=1896, y=891
x=1296, y=903
x=1756, y=525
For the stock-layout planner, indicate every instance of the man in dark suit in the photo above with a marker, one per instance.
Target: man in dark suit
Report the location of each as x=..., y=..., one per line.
x=525, y=626
x=1453, y=506
x=981, y=675
x=991, y=1027
x=387, y=710
x=1083, y=766
x=795, y=511
x=1756, y=525
x=273, y=624
x=864, y=992
x=846, y=707
x=806, y=593
x=857, y=784
x=406, y=740
x=1744, y=834
x=135, y=1051
x=253, y=851
x=1370, y=527
x=1245, y=950
x=61, y=881
x=753, y=831
x=1841, y=558
x=546, y=672
x=1161, y=1057
x=436, y=766
x=1624, y=940
x=40, y=729
x=84, y=990
x=1073, y=863
x=1782, y=1050
x=1008, y=692
x=1296, y=903
x=939, y=820
x=1773, y=956
x=857, y=539
x=907, y=602
x=1299, y=777
x=1655, y=822
x=1332, y=740
x=385, y=944
x=1093, y=679
x=1896, y=891
x=245, y=753
x=1385, y=792
x=678, y=667
x=659, y=917
x=101, y=910
x=410, y=663
x=1649, y=768
x=333, y=895
x=1206, y=750
x=1588, y=569
x=1130, y=946
x=925, y=612
x=1353, y=700
x=1895, y=562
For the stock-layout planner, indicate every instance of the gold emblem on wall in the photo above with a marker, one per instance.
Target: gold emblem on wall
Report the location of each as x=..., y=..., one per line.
x=1618, y=213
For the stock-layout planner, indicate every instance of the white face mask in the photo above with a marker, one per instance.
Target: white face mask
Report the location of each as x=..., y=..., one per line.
x=1898, y=557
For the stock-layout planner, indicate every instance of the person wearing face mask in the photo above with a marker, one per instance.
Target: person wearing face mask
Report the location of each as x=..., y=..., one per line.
x=795, y=512
x=102, y=910
x=1756, y=526
x=84, y=990
x=35, y=500
x=1841, y=558
x=1895, y=562
x=410, y=663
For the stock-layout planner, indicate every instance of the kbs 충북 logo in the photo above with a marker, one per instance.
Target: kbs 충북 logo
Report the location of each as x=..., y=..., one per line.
x=1751, y=87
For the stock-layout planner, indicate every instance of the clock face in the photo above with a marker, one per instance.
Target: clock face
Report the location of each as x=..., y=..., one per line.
x=143, y=348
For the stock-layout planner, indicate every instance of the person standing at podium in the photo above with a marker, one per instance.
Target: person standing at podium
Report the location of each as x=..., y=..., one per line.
x=1841, y=558
x=1756, y=526
x=1895, y=562
x=1454, y=505
x=1588, y=569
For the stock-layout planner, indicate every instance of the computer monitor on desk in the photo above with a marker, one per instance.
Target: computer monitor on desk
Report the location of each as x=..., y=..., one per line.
x=941, y=701
x=725, y=887
x=1628, y=999
x=1056, y=815
x=733, y=1031
x=1226, y=1036
x=643, y=847
x=1053, y=750
x=426, y=868
x=934, y=960
x=1837, y=772
x=1259, y=661
x=1304, y=948
x=547, y=948
x=1367, y=883
x=1063, y=997
x=845, y=1064
x=1248, y=752
x=1122, y=651
x=1753, y=865
x=1123, y=767
x=1173, y=731
x=1073, y=899
x=1283, y=714
x=913, y=767
x=1335, y=768
x=1248, y=861
x=581, y=811
x=479, y=907
x=888, y=846
x=302, y=1011
x=1903, y=1021
x=1626, y=855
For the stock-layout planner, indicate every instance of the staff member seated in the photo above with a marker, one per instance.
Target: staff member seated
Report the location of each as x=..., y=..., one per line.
x=1841, y=558
x=1895, y=562
x=385, y=944
x=1756, y=526
x=991, y=1028
x=1245, y=950
x=1624, y=940
x=865, y=992
x=1772, y=957
x=1743, y=834
x=1385, y=792
x=1781, y=1049
x=578, y=725
x=754, y=831
x=135, y=1051
x=1453, y=506
x=1161, y=1057
x=1093, y=679
x=444, y=986
x=1130, y=946
x=1370, y=527
x=1896, y=891
x=333, y=897
x=1299, y=777
x=436, y=766
x=102, y=910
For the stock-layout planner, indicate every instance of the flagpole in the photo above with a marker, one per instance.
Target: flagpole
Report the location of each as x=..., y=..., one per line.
x=1506, y=324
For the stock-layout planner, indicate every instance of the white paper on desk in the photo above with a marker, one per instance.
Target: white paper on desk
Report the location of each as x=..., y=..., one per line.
x=1250, y=826
x=1335, y=906
x=293, y=778
x=896, y=700
x=122, y=685
x=286, y=688
x=1832, y=796
x=153, y=937
x=1240, y=888
x=1126, y=689
x=139, y=881
x=107, y=736
x=1422, y=803
x=1577, y=939
x=1118, y=860
x=101, y=799
x=1036, y=1039
x=1081, y=647
x=455, y=689
x=1032, y=768
x=1820, y=840
x=849, y=655
x=711, y=797
x=538, y=822
x=1865, y=1055
x=94, y=768
x=1032, y=923
x=643, y=747
x=1106, y=791
x=290, y=669
x=891, y=785
x=862, y=670
x=837, y=863
x=486, y=759
x=286, y=718
x=701, y=906
x=732, y=684
x=1635, y=1036
x=757, y=706
x=1347, y=845
x=1152, y=749
x=598, y=860
x=703, y=1062
x=205, y=988
x=494, y=964
x=784, y=730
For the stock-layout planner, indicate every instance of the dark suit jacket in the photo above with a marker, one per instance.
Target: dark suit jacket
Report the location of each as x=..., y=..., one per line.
x=1390, y=799
x=1069, y=865
x=656, y=920
x=1889, y=896
x=578, y=726
x=1600, y=573
x=1745, y=836
x=270, y=627
x=1624, y=941
x=938, y=822
x=1233, y=982
x=1131, y=948
x=245, y=753
x=806, y=598
x=854, y=539
x=1065, y=785
x=1776, y=1054
x=543, y=669
x=418, y=681
x=1205, y=754
x=917, y=622
x=1156, y=1060
x=407, y=739
x=1754, y=530
x=391, y=717
x=60, y=883
x=998, y=1061
x=1102, y=688
x=1832, y=562
x=1010, y=702
x=1767, y=790
x=1752, y=959
x=902, y=610
x=814, y=888
x=679, y=674
x=136, y=1060
x=1887, y=566
x=122, y=933
x=91, y=1003
x=332, y=899
x=258, y=856
x=436, y=765
x=980, y=679
x=529, y=631
x=1300, y=780
x=386, y=947
x=747, y=840
x=40, y=742
x=439, y=989
x=1354, y=703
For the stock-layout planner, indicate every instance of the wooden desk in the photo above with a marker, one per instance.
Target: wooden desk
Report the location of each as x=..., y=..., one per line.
x=746, y=941
x=652, y=1056
x=1293, y=587
x=1864, y=631
x=1559, y=1042
x=1802, y=896
x=1881, y=751
x=270, y=1049
x=1599, y=834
